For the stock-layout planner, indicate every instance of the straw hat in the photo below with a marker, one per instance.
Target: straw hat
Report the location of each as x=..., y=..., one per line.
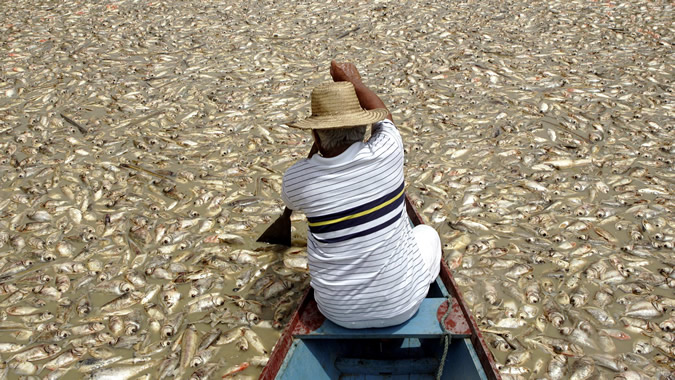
x=335, y=105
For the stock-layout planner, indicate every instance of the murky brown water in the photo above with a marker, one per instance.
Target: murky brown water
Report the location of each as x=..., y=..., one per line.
x=143, y=146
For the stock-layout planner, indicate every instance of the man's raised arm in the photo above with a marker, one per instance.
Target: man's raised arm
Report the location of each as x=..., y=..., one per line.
x=347, y=72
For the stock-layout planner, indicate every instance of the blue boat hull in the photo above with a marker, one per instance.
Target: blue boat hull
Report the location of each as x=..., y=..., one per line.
x=339, y=359
x=412, y=350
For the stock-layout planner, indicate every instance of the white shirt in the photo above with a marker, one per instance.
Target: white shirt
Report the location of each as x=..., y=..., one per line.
x=365, y=265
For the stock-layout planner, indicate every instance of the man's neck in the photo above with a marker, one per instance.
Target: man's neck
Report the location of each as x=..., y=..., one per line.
x=333, y=152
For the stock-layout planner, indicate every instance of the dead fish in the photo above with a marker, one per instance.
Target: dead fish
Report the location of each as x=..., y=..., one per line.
x=36, y=353
x=557, y=367
x=582, y=369
x=600, y=315
x=188, y=347
x=119, y=372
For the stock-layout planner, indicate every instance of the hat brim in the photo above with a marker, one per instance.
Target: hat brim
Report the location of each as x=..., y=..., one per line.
x=343, y=120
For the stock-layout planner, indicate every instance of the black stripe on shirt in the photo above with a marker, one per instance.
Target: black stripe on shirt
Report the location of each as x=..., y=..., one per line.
x=360, y=233
x=358, y=209
x=363, y=219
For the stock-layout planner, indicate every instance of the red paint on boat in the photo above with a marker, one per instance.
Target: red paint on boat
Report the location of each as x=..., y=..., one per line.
x=455, y=322
x=310, y=320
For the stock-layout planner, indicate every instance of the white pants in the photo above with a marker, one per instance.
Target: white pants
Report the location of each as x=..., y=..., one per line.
x=430, y=247
x=429, y=244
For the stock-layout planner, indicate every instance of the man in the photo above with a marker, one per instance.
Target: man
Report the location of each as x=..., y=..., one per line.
x=368, y=266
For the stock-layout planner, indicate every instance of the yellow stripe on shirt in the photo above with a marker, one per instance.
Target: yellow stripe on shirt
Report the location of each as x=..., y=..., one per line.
x=366, y=212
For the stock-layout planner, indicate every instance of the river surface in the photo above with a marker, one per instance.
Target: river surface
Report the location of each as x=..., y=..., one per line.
x=143, y=143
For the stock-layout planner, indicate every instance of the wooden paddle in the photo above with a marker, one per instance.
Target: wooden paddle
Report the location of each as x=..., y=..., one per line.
x=279, y=232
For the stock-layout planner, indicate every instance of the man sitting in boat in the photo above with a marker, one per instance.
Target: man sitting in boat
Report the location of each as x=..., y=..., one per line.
x=369, y=267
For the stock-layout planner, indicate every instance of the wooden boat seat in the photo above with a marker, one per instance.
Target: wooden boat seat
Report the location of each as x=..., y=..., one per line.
x=424, y=324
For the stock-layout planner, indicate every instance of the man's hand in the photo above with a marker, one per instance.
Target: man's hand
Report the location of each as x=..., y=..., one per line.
x=344, y=72
x=347, y=72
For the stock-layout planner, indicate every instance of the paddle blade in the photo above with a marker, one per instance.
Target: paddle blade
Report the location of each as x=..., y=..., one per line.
x=279, y=232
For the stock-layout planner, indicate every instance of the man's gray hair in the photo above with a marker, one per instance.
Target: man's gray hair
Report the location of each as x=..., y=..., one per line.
x=334, y=137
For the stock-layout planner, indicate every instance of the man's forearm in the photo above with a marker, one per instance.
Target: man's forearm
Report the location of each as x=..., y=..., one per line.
x=347, y=72
x=368, y=99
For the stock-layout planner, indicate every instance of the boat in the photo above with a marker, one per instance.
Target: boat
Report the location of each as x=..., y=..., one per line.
x=312, y=347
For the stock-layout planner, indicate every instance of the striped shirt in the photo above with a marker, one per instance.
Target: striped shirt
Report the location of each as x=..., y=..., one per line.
x=365, y=265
